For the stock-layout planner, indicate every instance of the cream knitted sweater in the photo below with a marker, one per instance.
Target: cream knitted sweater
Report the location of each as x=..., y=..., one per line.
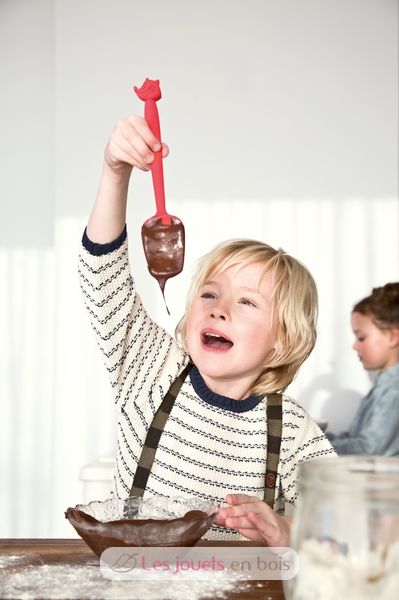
x=211, y=445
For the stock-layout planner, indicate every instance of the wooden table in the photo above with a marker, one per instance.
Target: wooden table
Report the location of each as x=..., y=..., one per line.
x=18, y=554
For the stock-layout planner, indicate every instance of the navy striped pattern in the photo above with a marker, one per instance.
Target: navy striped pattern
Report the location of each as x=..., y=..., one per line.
x=205, y=450
x=154, y=434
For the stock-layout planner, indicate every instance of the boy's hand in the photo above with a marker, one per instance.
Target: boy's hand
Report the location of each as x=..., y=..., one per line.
x=132, y=144
x=255, y=520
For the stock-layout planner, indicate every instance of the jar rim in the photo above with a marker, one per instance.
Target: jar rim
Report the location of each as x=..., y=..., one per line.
x=351, y=471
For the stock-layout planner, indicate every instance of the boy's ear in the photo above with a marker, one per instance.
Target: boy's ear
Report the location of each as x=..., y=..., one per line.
x=394, y=337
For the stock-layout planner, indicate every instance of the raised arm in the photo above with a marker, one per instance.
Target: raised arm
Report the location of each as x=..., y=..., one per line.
x=125, y=333
x=131, y=145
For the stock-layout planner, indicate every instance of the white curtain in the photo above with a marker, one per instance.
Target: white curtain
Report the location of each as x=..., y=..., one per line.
x=27, y=361
x=56, y=408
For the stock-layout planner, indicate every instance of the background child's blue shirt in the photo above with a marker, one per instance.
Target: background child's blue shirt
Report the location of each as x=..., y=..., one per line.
x=375, y=427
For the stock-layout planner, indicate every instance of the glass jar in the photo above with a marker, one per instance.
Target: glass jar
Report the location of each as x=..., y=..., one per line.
x=346, y=529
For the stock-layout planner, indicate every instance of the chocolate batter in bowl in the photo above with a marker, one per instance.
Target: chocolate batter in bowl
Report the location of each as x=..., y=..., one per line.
x=142, y=522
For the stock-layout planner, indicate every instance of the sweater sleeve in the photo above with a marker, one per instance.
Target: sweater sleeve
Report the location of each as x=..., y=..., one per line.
x=378, y=433
x=302, y=440
x=139, y=355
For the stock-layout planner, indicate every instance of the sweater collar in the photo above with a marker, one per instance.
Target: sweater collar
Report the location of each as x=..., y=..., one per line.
x=391, y=373
x=222, y=402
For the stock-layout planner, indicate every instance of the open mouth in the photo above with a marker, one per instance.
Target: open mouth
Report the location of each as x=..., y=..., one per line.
x=215, y=341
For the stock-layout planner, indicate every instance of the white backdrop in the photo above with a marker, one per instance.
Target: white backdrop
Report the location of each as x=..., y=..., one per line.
x=282, y=122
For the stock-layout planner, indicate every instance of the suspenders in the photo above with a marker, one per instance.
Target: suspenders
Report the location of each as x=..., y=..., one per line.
x=154, y=434
x=274, y=426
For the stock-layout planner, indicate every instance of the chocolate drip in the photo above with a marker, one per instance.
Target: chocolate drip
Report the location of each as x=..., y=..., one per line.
x=164, y=246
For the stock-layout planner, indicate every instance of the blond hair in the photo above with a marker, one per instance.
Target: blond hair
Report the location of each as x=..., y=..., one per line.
x=294, y=306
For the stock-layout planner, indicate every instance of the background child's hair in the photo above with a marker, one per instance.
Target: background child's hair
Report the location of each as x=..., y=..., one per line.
x=294, y=305
x=382, y=306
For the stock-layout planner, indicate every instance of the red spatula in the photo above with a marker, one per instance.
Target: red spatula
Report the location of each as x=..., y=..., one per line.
x=162, y=234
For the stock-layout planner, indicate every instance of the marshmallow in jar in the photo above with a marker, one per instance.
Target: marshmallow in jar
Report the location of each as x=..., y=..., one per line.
x=346, y=529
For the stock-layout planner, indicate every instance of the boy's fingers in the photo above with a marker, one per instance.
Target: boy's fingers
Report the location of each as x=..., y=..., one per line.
x=235, y=517
x=120, y=149
x=260, y=523
x=238, y=510
x=249, y=520
x=220, y=517
x=273, y=532
x=140, y=139
x=141, y=125
x=241, y=522
x=165, y=150
x=235, y=511
x=234, y=499
x=127, y=133
x=242, y=503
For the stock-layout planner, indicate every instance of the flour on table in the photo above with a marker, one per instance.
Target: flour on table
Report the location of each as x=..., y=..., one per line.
x=12, y=560
x=58, y=582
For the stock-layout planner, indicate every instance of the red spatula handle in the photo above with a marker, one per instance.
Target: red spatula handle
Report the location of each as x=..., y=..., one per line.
x=150, y=92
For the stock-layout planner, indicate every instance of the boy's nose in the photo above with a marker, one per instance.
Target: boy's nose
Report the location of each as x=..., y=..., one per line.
x=218, y=314
x=219, y=311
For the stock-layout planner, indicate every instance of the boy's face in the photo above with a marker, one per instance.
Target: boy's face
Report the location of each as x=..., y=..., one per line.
x=377, y=348
x=229, y=333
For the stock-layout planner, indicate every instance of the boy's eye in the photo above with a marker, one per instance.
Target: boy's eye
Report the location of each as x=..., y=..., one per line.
x=247, y=302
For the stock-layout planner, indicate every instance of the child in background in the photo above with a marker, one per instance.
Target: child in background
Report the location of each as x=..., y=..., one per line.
x=375, y=324
x=250, y=322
